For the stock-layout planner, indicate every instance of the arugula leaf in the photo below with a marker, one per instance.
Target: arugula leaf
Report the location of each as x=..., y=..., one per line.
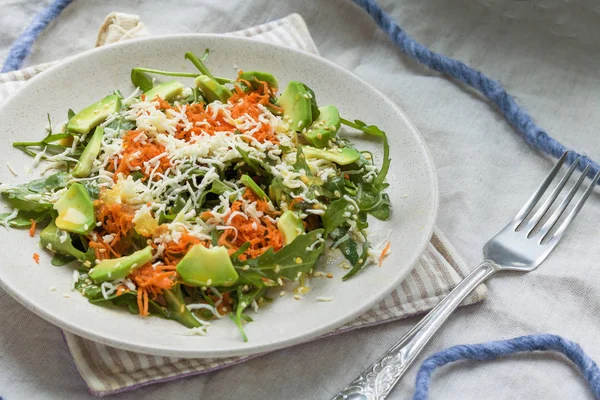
x=301, y=163
x=121, y=124
x=19, y=197
x=288, y=262
x=243, y=301
x=250, y=184
x=59, y=259
x=70, y=114
x=349, y=250
x=140, y=80
x=198, y=62
x=240, y=251
x=127, y=300
x=254, y=164
x=334, y=215
x=23, y=219
x=176, y=308
x=373, y=130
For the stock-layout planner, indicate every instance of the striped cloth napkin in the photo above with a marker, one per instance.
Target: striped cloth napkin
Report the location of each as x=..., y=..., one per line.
x=107, y=370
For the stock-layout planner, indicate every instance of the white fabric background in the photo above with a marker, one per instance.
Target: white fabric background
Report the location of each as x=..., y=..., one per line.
x=545, y=52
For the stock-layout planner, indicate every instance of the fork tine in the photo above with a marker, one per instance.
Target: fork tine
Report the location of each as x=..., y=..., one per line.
x=535, y=220
x=533, y=200
x=561, y=229
x=563, y=205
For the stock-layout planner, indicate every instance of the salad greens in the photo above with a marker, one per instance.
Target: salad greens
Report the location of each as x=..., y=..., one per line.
x=190, y=203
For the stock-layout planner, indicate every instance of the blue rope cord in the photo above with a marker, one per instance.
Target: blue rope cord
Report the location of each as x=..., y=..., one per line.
x=22, y=46
x=492, y=350
x=516, y=116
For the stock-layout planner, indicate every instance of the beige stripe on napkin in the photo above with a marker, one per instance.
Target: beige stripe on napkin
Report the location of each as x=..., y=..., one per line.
x=107, y=370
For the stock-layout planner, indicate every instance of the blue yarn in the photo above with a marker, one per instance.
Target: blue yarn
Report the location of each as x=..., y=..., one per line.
x=22, y=46
x=520, y=120
x=493, y=350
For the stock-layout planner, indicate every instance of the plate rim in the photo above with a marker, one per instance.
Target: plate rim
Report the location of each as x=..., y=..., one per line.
x=292, y=340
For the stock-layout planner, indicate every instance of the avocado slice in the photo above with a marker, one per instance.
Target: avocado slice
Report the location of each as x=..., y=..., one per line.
x=325, y=127
x=250, y=184
x=212, y=90
x=75, y=210
x=295, y=101
x=53, y=239
x=254, y=76
x=207, y=267
x=290, y=226
x=93, y=115
x=166, y=91
x=117, y=268
x=90, y=153
x=341, y=156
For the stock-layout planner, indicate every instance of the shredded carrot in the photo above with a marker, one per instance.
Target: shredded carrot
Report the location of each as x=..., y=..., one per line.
x=384, y=253
x=151, y=280
x=36, y=258
x=32, y=228
x=262, y=234
x=116, y=219
x=243, y=104
x=136, y=153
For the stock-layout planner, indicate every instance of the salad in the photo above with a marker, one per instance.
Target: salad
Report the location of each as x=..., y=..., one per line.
x=191, y=203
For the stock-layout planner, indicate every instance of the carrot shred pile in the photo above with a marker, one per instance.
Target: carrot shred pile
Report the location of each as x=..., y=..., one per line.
x=265, y=236
x=243, y=104
x=136, y=153
x=32, y=228
x=116, y=219
x=151, y=280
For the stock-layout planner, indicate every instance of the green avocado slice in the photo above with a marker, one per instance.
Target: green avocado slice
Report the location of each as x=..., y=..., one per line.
x=52, y=238
x=341, y=156
x=166, y=91
x=90, y=153
x=212, y=90
x=290, y=226
x=325, y=127
x=117, y=268
x=295, y=101
x=75, y=210
x=207, y=267
x=92, y=116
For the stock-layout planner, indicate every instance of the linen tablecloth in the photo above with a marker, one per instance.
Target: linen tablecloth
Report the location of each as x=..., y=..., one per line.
x=545, y=53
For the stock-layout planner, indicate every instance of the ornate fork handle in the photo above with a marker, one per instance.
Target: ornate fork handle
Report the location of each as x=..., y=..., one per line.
x=377, y=381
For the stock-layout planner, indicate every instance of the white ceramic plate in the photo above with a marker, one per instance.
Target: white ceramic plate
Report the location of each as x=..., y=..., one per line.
x=88, y=77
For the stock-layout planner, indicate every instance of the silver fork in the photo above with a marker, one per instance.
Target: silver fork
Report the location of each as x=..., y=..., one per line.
x=521, y=246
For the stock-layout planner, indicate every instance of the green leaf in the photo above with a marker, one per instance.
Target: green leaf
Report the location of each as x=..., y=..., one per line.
x=176, y=307
x=244, y=300
x=290, y=261
x=334, y=215
x=240, y=251
x=349, y=249
x=198, y=62
x=70, y=114
x=249, y=183
x=23, y=219
x=19, y=196
x=301, y=164
x=257, y=166
x=59, y=259
x=374, y=131
x=121, y=124
x=140, y=80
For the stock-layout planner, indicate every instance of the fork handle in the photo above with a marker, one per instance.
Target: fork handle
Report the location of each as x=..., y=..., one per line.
x=377, y=381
